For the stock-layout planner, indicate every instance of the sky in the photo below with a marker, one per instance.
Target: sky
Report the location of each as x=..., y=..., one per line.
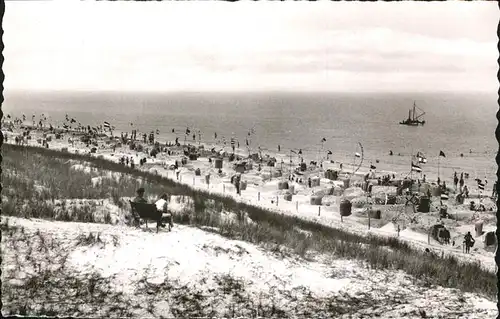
x=251, y=46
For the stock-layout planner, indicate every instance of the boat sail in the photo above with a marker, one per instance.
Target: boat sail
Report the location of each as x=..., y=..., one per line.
x=413, y=120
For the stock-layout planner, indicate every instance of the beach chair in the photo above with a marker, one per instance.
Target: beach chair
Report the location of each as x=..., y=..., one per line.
x=146, y=212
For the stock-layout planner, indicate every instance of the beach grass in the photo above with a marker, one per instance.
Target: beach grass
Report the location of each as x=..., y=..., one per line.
x=35, y=179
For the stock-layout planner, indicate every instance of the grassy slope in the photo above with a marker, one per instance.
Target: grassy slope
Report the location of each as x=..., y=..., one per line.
x=35, y=177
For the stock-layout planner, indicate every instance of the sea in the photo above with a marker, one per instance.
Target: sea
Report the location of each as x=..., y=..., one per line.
x=461, y=125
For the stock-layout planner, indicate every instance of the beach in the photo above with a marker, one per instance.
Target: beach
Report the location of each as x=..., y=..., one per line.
x=266, y=188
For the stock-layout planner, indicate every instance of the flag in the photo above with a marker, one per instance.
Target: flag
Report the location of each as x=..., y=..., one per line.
x=357, y=154
x=187, y=131
x=480, y=184
x=373, y=167
x=415, y=168
x=300, y=152
x=73, y=121
x=421, y=158
x=107, y=125
x=441, y=153
x=323, y=140
x=329, y=153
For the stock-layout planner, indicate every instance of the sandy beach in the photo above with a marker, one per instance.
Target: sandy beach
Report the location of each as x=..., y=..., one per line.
x=284, y=191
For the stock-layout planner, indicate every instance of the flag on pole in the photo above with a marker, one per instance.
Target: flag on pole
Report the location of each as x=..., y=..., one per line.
x=421, y=158
x=107, y=125
x=441, y=153
x=187, y=131
x=329, y=153
x=480, y=184
x=323, y=139
x=416, y=168
x=373, y=167
x=357, y=154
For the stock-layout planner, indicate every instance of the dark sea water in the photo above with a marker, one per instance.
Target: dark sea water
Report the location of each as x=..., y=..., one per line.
x=455, y=123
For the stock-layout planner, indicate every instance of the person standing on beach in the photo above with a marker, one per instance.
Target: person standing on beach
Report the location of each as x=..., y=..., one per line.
x=469, y=242
x=455, y=180
x=132, y=165
x=462, y=182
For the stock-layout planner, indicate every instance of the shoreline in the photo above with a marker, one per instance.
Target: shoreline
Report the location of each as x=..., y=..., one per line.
x=265, y=189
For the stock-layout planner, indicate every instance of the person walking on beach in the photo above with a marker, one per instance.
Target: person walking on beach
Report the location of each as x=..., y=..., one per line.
x=455, y=180
x=466, y=191
x=469, y=242
x=237, y=180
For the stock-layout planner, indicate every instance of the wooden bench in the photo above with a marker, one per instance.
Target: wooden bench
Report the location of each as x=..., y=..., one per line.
x=146, y=211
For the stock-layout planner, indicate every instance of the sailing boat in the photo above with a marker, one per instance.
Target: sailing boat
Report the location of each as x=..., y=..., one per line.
x=413, y=120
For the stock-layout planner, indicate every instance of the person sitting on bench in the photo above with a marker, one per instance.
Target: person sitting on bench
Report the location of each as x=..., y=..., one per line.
x=162, y=206
x=140, y=196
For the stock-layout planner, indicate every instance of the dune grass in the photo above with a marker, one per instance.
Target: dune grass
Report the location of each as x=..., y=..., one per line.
x=28, y=194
